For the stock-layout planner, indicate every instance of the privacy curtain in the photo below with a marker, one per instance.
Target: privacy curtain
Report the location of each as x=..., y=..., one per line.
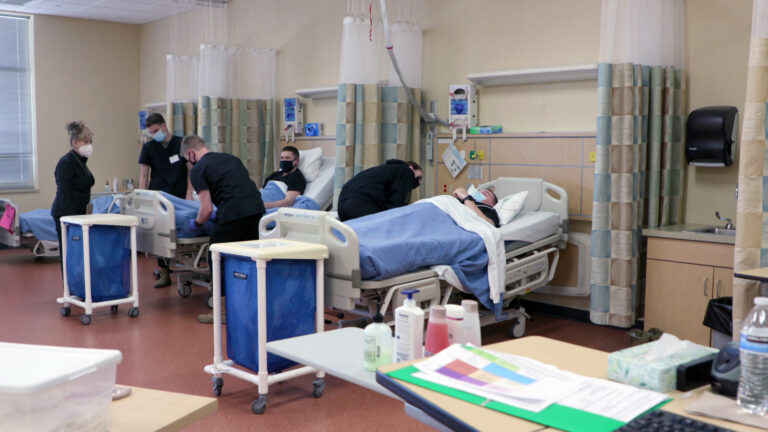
x=639, y=167
x=751, y=249
x=236, y=112
x=375, y=122
x=181, y=93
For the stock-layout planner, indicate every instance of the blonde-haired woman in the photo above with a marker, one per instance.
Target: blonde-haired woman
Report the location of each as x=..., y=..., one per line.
x=73, y=178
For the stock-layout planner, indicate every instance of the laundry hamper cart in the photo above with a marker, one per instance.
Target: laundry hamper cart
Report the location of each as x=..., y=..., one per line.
x=274, y=290
x=99, y=263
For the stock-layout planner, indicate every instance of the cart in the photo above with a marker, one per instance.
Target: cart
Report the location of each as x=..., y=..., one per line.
x=95, y=250
x=294, y=283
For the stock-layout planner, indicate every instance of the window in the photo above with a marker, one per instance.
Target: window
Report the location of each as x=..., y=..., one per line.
x=17, y=150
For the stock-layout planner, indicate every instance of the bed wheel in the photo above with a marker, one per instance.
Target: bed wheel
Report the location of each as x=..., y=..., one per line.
x=185, y=289
x=259, y=405
x=85, y=319
x=517, y=330
x=66, y=311
x=133, y=312
x=209, y=301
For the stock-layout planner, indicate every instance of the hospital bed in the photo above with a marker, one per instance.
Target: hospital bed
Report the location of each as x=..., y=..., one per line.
x=163, y=232
x=531, y=251
x=38, y=229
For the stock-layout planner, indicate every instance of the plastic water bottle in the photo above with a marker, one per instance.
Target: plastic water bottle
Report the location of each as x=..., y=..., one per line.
x=753, y=383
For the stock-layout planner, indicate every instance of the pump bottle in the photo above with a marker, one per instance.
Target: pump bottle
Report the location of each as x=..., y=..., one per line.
x=409, y=329
x=377, y=344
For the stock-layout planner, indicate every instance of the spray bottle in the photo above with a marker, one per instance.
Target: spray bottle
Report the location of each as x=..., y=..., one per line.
x=409, y=329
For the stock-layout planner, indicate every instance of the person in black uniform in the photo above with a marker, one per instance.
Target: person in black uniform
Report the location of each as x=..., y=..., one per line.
x=379, y=188
x=290, y=175
x=221, y=179
x=480, y=202
x=161, y=168
x=73, y=178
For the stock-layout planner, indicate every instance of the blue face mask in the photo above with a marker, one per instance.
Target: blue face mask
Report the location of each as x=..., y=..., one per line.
x=159, y=136
x=478, y=196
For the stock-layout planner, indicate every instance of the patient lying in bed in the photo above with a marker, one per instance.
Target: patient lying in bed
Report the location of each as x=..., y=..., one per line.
x=480, y=201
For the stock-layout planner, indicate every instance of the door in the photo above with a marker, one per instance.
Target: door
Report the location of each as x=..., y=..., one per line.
x=676, y=298
x=723, y=282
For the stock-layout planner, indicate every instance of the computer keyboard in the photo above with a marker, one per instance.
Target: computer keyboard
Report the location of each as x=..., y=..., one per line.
x=665, y=421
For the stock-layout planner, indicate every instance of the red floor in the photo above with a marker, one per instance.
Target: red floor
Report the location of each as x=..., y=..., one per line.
x=166, y=348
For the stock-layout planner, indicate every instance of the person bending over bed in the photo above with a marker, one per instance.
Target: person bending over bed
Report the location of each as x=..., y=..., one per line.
x=480, y=202
x=290, y=175
x=379, y=188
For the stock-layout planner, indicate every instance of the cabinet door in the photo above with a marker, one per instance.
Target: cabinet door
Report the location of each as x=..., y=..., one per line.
x=676, y=297
x=723, y=282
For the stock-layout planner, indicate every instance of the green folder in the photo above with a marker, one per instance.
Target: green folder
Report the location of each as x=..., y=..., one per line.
x=557, y=416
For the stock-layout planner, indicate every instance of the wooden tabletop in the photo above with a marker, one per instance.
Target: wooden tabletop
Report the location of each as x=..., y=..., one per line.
x=569, y=357
x=157, y=410
x=758, y=274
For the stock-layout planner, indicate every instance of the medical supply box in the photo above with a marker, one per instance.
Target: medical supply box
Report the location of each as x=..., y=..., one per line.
x=46, y=388
x=629, y=366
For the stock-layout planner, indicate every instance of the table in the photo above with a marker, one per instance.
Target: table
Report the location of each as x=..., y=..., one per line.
x=157, y=410
x=758, y=274
x=573, y=358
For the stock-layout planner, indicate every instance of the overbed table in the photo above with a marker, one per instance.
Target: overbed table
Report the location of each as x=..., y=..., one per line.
x=157, y=410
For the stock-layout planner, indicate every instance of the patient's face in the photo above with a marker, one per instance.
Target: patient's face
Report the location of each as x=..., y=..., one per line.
x=490, y=198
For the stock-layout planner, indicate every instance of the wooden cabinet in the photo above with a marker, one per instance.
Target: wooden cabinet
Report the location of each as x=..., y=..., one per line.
x=681, y=277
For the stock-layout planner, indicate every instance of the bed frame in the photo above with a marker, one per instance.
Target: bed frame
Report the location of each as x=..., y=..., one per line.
x=527, y=268
x=156, y=236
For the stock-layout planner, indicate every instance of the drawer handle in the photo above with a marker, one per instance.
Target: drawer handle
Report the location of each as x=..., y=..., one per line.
x=717, y=290
x=705, y=286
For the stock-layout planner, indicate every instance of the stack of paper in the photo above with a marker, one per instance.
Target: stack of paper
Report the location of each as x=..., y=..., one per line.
x=532, y=385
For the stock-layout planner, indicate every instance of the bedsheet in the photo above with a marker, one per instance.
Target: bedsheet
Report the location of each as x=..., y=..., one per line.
x=40, y=223
x=275, y=191
x=419, y=236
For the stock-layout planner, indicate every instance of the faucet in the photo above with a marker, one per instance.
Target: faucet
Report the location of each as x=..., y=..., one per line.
x=728, y=222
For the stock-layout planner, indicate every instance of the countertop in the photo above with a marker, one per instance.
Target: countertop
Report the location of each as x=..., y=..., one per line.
x=678, y=232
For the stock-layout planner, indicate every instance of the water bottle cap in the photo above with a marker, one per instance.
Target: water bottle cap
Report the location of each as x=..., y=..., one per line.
x=761, y=301
x=470, y=306
x=437, y=312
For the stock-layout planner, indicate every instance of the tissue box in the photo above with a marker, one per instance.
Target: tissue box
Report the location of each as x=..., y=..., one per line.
x=629, y=367
x=485, y=129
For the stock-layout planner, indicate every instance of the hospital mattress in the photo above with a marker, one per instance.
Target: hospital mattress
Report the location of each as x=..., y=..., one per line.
x=531, y=227
x=40, y=223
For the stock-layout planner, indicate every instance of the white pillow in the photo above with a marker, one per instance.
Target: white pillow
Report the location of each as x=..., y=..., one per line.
x=309, y=163
x=510, y=206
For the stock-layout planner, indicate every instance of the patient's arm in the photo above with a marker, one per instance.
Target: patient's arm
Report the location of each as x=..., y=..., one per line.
x=206, y=207
x=290, y=198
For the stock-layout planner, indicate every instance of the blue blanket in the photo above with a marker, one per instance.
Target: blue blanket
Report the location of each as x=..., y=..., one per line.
x=272, y=192
x=414, y=237
x=40, y=222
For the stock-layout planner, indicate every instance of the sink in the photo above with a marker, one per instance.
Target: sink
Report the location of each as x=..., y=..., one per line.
x=713, y=230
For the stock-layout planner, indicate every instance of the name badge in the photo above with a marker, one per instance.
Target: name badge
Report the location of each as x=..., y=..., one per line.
x=173, y=159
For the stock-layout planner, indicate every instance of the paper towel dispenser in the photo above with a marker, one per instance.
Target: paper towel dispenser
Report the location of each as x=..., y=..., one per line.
x=710, y=135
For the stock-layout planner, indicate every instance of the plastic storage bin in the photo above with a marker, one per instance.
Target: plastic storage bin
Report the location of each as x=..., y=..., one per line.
x=99, y=256
x=47, y=388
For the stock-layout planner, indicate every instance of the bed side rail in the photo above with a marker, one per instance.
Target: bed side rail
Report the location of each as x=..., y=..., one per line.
x=318, y=227
x=6, y=238
x=156, y=233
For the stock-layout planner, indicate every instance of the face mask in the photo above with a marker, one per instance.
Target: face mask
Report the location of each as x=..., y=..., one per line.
x=85, y=150
x=286, y=165
x=159, y=136
x=478, y=196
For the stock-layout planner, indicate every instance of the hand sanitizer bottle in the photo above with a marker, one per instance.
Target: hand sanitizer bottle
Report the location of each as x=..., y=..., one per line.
x=377, y=344
x=106, y=187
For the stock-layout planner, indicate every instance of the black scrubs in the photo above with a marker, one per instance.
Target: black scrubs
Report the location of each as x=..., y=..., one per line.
x=73, y=188
x=295, y=180
x=377, y=189
x=237, y=199
x=168, y=169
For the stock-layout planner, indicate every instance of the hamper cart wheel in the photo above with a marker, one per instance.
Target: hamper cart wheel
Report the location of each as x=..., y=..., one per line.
x=66, y=311
x=218, y=383
x=209, y=301
x=318, y=386
x=185, y=289
x=133, y=312
x=113, y=308
x=85, y=319
x=259, y=405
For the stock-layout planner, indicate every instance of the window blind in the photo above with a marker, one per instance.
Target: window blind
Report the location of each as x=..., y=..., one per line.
x=17, y=152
